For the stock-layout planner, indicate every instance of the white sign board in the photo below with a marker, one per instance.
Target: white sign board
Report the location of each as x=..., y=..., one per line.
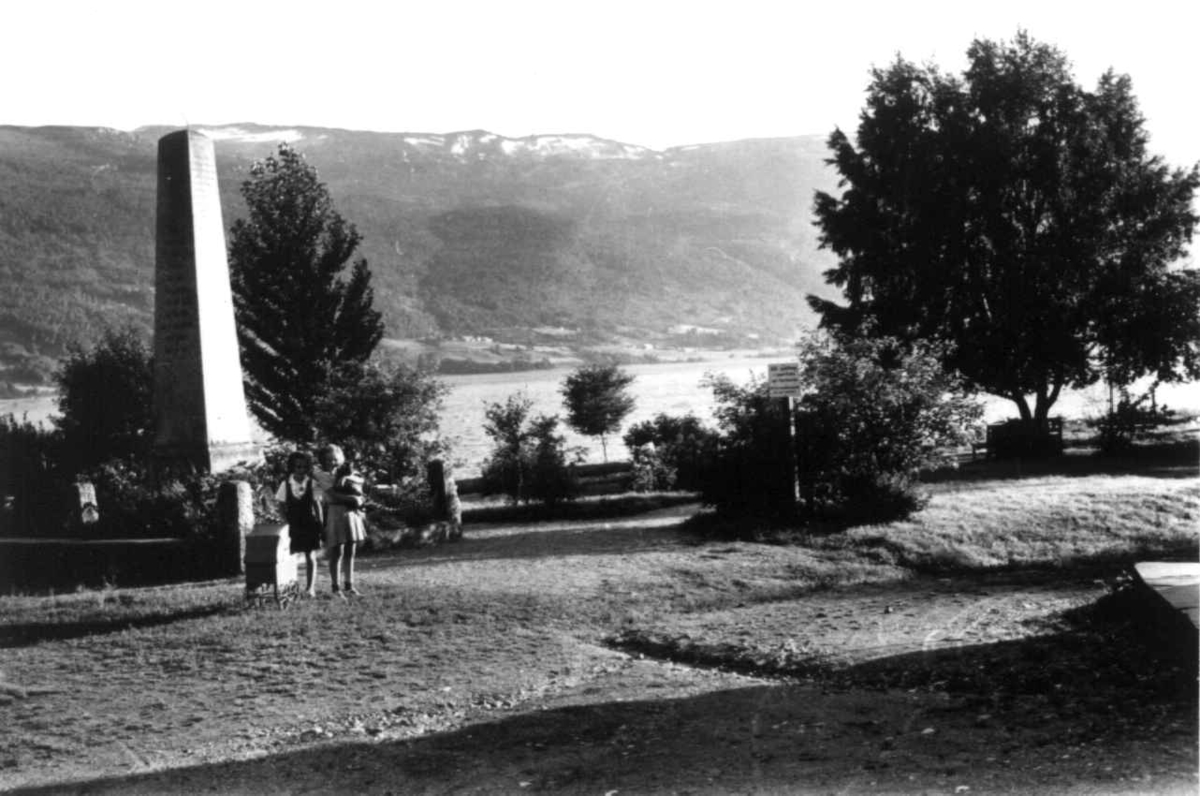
x=783, y=380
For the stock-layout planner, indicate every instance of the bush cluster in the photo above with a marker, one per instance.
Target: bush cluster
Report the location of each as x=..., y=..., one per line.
x=670, y=452
x=872, y=416
x=1117, y=429
x=529, y=461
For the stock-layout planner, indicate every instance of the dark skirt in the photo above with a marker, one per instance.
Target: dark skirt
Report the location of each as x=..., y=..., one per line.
x=305, y=526
x=305, y=536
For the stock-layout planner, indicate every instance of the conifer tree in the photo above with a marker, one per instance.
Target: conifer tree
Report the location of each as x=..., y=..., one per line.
x=304, y=312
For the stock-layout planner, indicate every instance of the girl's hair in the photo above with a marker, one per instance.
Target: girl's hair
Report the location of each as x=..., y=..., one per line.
x=335, y=452
x=298, y=456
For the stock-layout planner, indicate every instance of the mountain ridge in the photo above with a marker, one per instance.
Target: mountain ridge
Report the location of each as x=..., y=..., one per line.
x=467, y=232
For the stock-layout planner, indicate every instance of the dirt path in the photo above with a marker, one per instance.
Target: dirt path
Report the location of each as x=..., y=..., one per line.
x=490, y=666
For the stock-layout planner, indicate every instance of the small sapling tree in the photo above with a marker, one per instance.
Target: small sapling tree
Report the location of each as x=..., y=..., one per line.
x=597, y=401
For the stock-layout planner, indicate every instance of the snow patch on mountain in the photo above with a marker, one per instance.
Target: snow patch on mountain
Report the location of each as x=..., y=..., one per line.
x=288, y=135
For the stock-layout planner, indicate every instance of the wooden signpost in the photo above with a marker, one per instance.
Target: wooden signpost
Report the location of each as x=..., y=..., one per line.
x=783, y=384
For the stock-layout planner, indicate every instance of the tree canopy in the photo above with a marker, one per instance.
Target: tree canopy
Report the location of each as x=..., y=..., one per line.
x=597, y=400
x=106, y=399
x=304, y=312
x=1018, y=218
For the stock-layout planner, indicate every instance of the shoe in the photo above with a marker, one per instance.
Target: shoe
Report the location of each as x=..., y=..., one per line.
x=354, y=591
x=311, y=593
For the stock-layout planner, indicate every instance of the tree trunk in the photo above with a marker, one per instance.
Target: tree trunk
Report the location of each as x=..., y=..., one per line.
x=1045, y=400
x=1022, y=406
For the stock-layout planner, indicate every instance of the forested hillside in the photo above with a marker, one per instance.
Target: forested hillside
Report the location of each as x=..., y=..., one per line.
x=467, y=233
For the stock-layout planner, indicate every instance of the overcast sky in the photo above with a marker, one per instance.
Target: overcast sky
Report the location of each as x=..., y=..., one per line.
x=655, y=73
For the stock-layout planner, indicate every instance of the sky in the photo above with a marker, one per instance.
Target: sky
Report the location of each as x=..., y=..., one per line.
x=658, y=73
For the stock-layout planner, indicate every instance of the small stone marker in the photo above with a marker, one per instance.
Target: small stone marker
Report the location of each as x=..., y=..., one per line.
x=235, y=513
x=199, y=403
x=84, y=510
x=446, y=505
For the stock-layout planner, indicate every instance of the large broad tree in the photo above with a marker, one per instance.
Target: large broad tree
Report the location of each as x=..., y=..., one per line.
x=1019, y=218
x=304, y=311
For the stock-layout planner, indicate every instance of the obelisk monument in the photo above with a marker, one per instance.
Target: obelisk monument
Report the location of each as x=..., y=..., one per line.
x=200, y=419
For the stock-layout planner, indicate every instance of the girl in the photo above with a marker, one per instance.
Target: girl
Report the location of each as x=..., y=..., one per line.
x=300, y=504
x=345, y=525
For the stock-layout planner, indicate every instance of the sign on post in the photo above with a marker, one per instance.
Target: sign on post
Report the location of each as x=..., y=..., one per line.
x=783, y=380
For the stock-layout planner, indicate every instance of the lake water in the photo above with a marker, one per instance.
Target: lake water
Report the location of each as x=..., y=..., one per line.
x=673, y=388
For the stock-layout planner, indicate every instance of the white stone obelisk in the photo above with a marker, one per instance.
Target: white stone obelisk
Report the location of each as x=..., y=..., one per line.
x=199, y=404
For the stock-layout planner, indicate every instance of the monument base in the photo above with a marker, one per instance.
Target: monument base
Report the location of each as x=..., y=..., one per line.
x=215, y=458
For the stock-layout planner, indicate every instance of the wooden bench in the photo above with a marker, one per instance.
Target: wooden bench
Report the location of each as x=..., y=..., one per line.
x=1013, y=438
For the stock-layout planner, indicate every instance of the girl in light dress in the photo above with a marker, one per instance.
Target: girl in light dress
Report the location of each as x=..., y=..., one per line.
x=345, y=525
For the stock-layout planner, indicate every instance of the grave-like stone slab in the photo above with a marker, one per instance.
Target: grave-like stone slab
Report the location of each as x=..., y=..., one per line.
x=1177, y=582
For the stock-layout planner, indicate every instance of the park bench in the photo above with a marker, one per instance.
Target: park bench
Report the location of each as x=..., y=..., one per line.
x=1013, y=438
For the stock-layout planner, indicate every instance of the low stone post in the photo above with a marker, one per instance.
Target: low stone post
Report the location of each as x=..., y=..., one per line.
x=235, y=513
x=446, y=505
x=82, y=509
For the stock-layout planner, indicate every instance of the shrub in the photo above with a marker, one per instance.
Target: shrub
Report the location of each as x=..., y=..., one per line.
x=650, y=472
x=105, y=399
x=1117, y=428
x=873, y=415
x=409, y=504
x=135, y=505
x=878, y=413
x=529, y=461
x=31, y=478
x=386, y=416
x=551, y=480
x=748, y=472
x=682, y=445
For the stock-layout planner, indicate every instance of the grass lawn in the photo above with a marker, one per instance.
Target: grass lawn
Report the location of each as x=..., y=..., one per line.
x=987, y=642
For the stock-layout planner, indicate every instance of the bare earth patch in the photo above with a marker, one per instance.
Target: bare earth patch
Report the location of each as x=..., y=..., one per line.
x=603, y=657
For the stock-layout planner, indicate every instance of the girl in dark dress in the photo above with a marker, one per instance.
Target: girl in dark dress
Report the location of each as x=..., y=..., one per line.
x=300, y=503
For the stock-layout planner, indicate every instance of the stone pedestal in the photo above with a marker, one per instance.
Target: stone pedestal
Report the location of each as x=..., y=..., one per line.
x=446, y=505
x=199, y=404
x=83, y=510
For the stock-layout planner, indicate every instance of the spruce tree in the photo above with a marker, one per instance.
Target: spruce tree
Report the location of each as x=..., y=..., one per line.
x=304, y=312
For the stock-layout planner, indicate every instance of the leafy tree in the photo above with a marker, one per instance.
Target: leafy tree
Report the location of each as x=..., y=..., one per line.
x=551, y=479
x=597, y=400
x=1019, y=218
x=505, y=472
x=106, y=400
x=304, y=314
x=529, y=460
x=387, y=414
